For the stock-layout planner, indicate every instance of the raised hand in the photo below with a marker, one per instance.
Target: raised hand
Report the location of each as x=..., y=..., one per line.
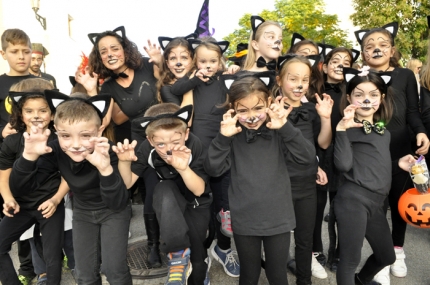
x=154, y=53
x=10, y=208
x=179, y=157
x=125, y=151
x=89, y=81
x=324, y=106
x=100, y=157
x=228, y=124
x=232, y=69
x=202, y=74
x=277, y=113
x=35, y=143
x=348, y=119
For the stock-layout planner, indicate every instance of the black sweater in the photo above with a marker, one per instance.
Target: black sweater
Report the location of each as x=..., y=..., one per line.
x=260, y=191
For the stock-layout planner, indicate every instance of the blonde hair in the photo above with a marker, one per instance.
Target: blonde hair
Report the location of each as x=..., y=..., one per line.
x=209, y=43
x=75, y=111
x=164, y=123
x=251, y=57
x=413, y=63
x=284, y=69
x=425, y=71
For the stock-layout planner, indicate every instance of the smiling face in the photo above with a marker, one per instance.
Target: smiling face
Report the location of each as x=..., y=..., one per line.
x=112, y=53
x=294, y=82
x=208, y=59
x=368, y=97
x=334, y=68
x=269, y=45
x=377, y=50
x=35, y=111
x=179, y=61
x=165, y=140
x=74, y=138
x=252, y=110
x=18, y=57
x=307, y=49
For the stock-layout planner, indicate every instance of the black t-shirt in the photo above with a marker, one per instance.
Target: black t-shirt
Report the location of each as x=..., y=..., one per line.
x=167, y=96
x=50, y=78
x=335, y=92
x=11, y=150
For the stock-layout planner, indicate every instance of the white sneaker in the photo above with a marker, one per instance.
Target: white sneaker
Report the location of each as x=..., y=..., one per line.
x=398, y=268
x=317, y=270
x=383, y=276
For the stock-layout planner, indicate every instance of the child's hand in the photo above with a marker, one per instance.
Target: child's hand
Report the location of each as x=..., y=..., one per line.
x=100, y=157
x=10, y=208
x=277, y=113
x=179, y=157
x=35, y=143
x=324, y=106
x=406, y=162
x=154, y=53
x=88, y=81
x=232, y=69
x=125, y=151
x=422, y=143
x=321, y=177
x=202, y=75
x=8, y=130
x=228, y=124
x=47, y=208
x=348, y=119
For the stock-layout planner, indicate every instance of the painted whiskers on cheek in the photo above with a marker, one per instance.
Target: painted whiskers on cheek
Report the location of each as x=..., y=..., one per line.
x=253, y=119
x=367, y=104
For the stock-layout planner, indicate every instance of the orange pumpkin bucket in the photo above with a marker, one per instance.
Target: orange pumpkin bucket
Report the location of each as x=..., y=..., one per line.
x=414, y=208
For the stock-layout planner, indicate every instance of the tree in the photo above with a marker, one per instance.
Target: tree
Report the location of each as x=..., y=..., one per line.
x=413, y=33
x=305, y=17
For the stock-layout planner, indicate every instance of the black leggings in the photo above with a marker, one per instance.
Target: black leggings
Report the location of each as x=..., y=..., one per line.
x=360, y=215
x=219, y=186
x=275, y=249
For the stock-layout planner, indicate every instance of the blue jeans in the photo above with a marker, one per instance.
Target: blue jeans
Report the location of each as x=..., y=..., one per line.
x=101, y=237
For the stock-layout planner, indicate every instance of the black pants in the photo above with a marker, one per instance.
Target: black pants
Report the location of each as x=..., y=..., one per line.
x=275, y=249
x=304, y=201
x=151, y=180
x=25, y=261
x=219, y=187
x=182, y=226
x=360, y=215
x=52, y=237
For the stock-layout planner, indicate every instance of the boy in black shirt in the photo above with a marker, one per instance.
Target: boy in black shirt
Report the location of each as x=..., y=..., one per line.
x=181, y=198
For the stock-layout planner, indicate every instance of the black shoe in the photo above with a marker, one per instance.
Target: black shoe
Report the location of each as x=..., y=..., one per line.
x=322, y=259
x=327, y=218
x=153, y=233
x=358, y=281
x=333, y=265
x=291, y=265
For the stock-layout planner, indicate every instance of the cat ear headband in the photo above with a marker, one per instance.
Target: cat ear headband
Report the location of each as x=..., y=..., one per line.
x=313, y=59
x=298, y=38
x=223, y=45
x=350, y=73
x=16, y=96
x=183, y=114
x=328, y=48
x=94, y=36
x=100, y=103
x=256, y=21
x=164, y=41
x=391, y=27
x=267, y=77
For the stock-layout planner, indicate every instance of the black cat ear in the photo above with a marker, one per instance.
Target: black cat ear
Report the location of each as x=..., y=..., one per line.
x=314, y=59
x=101, y=103
x=349, y=73
x=16, y=96
x=386, y=76
x=355, y=55
x=359, y=35
x=256, y=21
x=194, y=43
x=191, y=36
x=392, y=28
x=183, y=114
x=223, y=45
x=72, y=80
x=93, y=37
x=267, y=77
x=283, y=59
x=164, y=41
x=296, y=39
x=55, y=98
x=120, y=31
x=325, y=49
x=228, y=80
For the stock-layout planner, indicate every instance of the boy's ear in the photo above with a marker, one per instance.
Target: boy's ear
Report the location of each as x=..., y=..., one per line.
x=3, y=54
x=187, y=133
x=150, y=141
x=100, y=131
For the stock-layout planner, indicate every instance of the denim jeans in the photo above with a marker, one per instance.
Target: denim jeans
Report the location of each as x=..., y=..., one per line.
x=101, y=237
x=52, y=238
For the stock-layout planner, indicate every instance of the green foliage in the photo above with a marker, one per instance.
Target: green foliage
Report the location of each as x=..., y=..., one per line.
x=305, y=17
x=413, y=33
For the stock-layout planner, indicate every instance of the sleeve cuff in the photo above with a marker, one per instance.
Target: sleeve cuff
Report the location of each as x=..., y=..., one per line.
x=288, y=131
x=108, y=181
x=26, y=165
x=223, y=140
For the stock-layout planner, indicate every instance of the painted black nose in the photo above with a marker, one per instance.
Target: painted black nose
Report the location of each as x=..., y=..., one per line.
x=340, y=66
x=300, y=87
x=366, y=101
x=278, y=42
x=179, y=64
x=377, y=50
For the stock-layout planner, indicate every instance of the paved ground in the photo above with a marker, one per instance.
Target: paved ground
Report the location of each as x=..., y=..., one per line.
x=417, y=250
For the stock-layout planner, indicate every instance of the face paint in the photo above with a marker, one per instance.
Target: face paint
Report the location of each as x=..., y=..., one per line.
x=295, y=83
x=179, y=61
x=334, y=68
x=377, y=50
x=307, y=49
x=269, y=45
x=367, y=96
x=251, y=111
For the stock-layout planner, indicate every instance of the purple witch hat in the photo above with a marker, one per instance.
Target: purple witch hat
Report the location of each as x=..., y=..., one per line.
x=202, y=28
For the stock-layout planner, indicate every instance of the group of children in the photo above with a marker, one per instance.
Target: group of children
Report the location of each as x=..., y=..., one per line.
x=250, y=149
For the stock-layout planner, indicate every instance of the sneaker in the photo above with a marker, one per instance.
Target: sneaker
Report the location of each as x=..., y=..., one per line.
x=208, y=261
x=42, y=279
x=334, y=264
x=383, y=276
x=225, y=220
x=326, y=218
x=291, y=265
x=25, y=280
x=317, y=270
x=322, y=259
x=179, y=267
x=229, y=260
x=398, y=268
x=358, y=281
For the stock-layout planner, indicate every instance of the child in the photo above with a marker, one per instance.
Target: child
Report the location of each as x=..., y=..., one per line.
x=181, y=198
x=257, y=151
x=264, y=46
x=379, y=53
x=362, y=154
x=207, y=116
x=102, y=208
x=22, y=207
x=314, y=122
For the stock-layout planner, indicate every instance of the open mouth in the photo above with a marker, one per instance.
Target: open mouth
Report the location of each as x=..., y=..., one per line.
x=276, y=47
x=179, y=70
x=297, y=93
x=377, y=55
x=366, y=108
x=36, y=123
x=338, y=71
x=112, y=61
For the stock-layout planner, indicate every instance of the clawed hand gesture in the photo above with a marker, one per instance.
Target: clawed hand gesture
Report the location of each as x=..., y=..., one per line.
x=202, y=74
x=324, y=106
x=228, y=124
x=100, y=156
x=178, y=157
x=125, y=151
x=89, y=81
x=348, y=119
x=154, y=53
x=277, y=113
x=35, y=142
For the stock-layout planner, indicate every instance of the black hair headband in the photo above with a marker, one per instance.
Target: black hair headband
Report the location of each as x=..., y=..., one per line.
x=328, y=48
x=267, y=77
x=183, y=114
x=350, y=73
x=223, y=45
x=94, y=36
x=164, y=41
x=298, y=38
x=391, y=27
x=100, y=103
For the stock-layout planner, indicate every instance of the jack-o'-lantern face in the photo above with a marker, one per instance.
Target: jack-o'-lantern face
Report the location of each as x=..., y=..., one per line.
x=414, y=208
